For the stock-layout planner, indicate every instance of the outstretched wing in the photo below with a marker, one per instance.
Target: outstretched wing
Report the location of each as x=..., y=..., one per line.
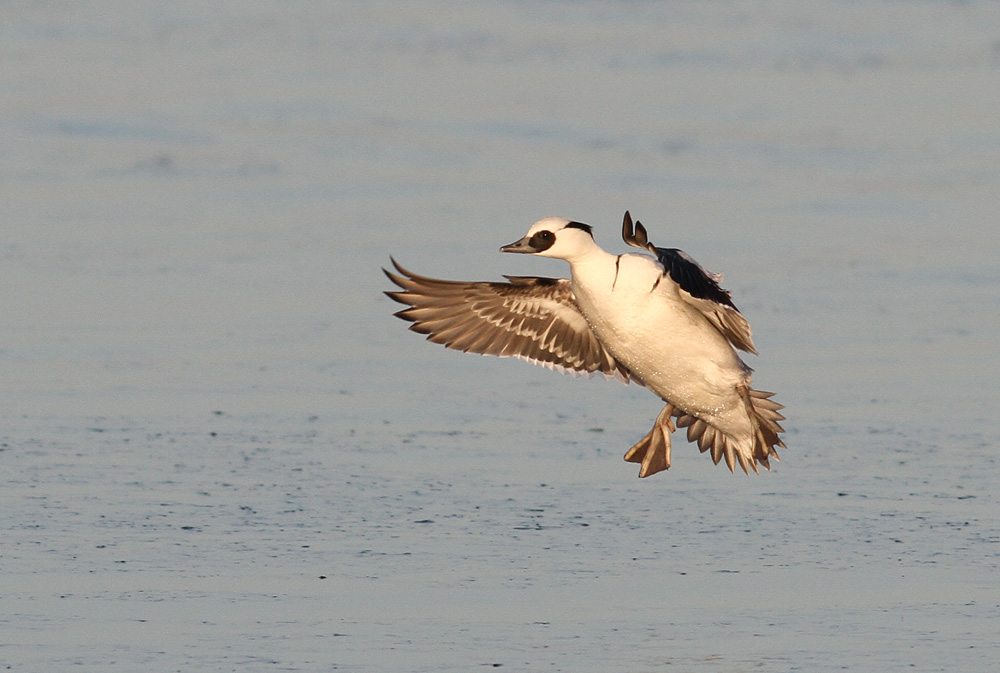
x=534, y=319
x=698, y=287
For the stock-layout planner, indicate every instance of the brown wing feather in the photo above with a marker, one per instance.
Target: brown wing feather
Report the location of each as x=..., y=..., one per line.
x=535, y=319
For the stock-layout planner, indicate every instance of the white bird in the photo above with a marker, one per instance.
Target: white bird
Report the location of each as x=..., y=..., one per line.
x=659, y=320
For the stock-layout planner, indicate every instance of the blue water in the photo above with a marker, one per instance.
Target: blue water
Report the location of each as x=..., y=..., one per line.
x=222, y=452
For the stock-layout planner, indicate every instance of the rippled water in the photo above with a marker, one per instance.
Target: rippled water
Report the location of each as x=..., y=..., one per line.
x=222, y=452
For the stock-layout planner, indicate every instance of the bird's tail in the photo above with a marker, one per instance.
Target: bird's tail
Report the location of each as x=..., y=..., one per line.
x=758, y=448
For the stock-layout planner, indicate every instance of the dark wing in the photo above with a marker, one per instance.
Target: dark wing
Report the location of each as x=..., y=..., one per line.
x=535, y=319
x=701, y=289
x=692, y=278
x=698, y=287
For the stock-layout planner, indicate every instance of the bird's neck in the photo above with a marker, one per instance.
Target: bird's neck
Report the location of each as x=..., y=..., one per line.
x=592, y=264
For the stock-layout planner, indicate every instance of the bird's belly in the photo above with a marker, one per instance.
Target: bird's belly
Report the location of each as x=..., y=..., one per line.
x=672, y=348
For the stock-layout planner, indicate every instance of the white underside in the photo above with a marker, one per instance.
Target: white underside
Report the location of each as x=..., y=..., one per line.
x=668, y=343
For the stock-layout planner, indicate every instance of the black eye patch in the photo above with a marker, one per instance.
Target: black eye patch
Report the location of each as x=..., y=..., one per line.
x=542, y=240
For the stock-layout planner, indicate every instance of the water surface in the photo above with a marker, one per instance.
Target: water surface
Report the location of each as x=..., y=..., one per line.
x=222, y=452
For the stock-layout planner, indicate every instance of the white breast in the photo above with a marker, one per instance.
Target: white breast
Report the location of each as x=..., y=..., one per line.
x=637, y=313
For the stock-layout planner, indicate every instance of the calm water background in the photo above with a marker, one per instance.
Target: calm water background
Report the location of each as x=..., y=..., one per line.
x=221, y=452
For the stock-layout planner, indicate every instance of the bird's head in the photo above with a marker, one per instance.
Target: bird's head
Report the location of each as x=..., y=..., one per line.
x=555, y=237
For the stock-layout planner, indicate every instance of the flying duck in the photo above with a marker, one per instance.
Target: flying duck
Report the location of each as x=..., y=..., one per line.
x=655, y=318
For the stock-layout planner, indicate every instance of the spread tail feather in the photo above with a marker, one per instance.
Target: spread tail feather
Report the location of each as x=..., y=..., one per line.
x=749, y=452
